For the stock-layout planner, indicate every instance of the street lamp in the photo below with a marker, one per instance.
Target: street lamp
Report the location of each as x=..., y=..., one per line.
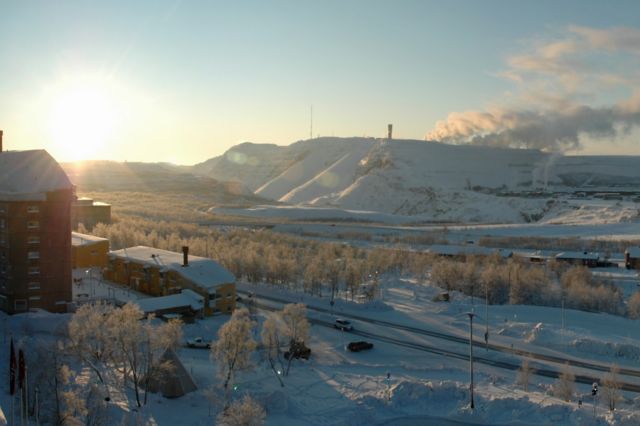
x=471, y=315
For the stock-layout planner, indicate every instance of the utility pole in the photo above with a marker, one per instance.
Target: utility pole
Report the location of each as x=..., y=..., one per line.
x=486, y=314
x=471, y=315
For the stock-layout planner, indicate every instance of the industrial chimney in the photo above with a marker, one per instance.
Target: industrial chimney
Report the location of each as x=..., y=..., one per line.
x=185, y=256
x=0, y=140
x=390, y=131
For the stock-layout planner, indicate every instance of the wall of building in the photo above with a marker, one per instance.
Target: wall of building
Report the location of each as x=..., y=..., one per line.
x=90, y=255
x=36, y=244
x=90, y=214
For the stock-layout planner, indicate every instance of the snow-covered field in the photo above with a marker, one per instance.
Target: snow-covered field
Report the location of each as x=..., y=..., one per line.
x=394, y=384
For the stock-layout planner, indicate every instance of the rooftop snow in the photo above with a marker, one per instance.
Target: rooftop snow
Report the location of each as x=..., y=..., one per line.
x=203, y=272
x=78, y=239
x=578, y=255
x=29, y=175
x=185, y=298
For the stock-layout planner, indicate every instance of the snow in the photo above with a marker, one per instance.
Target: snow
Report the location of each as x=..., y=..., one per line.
x=203, y=272
x=29, y=175
x=390, y=384
x=185, y=298
x=78, y=239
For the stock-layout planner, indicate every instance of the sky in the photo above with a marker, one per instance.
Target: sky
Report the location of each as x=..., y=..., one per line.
x=183, y=81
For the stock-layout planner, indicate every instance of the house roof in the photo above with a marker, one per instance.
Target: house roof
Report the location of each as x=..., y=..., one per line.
x=579, y=255
x=78, y=239
x=206, y=273
x=29, y=175
x=173, y=301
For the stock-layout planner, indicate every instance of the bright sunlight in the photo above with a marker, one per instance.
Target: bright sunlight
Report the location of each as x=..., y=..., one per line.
x=83, y=116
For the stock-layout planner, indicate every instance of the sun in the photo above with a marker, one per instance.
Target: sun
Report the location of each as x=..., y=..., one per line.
x=83, y=116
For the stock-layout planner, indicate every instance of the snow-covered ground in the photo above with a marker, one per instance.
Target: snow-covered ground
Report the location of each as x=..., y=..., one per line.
x=393, y=384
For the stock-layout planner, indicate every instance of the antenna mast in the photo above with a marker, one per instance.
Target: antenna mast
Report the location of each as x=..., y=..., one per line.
x=311, y=126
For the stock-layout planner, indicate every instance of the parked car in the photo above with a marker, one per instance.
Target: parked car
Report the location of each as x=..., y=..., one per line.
x=359, y=346
x=343, y=324
x=297, y=350
x=198, y=342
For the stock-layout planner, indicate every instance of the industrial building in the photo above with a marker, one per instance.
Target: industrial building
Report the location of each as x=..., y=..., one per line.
x=89, y=213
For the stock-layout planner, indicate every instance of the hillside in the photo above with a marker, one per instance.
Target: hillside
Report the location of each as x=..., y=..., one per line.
x=111, y=176
x=429, y=179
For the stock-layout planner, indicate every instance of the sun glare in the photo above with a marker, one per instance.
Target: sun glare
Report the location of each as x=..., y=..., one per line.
x=83, y=116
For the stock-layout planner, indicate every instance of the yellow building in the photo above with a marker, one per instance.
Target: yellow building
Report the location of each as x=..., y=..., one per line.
x=160, y=272
x=88, y=251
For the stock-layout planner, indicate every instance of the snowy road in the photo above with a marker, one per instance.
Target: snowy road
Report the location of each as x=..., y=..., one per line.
x=508, y=365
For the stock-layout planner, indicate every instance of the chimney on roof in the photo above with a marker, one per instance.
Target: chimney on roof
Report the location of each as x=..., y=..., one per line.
x=185, y=255
x=390, y=131
x=0, y=140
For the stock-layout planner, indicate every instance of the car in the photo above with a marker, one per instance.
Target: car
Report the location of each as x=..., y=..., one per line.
x=198, y=342
x=343, y=324
x=359, y=346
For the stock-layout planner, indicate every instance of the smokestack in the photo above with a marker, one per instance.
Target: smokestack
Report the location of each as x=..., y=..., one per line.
x=0, y=140
x=185, y=255
x=390, y=131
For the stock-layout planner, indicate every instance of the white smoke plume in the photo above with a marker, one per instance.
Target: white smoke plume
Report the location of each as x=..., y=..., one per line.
x=553, y=81
x=549, y=130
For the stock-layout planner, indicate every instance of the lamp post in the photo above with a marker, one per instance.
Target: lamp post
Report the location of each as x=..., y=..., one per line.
x=471, y=315
x=486, y=314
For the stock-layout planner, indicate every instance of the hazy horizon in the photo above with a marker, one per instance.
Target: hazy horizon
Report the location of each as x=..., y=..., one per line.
x=179, y=82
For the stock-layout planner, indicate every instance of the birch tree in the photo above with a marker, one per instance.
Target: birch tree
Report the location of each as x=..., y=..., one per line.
x=294, y=316
x=612, y=387
x=270, y=336
x=246, y=412
x=234, y=347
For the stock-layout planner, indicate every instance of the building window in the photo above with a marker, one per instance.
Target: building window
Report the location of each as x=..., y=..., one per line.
x=34, y=285
x=33, y=224
x=33, y=209
x=34, y=270
x=2, y=224
x=33, y=239
x=34, y=298
x=20, y=305
x=3, y=210
x=33, y=255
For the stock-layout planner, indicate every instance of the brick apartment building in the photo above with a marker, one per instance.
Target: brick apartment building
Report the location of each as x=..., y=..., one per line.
x=35, y=232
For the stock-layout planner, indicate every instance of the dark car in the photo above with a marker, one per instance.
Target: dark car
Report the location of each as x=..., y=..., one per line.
x=359, y=346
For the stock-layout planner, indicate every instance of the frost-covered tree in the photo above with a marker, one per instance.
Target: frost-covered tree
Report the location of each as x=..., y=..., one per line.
x=245, y=412
x=234, y=347
x=611, y=384
x=108, y=340
x=294, y=316
x=565, y=386
x=633, y=305
x=90, y=339
x=270, y=336
x=524, y=375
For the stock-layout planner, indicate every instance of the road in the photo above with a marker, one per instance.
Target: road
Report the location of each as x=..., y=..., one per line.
x=463, y=355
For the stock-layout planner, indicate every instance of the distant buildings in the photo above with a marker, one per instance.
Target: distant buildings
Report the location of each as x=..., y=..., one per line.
x=89, y=213
x=632, y=258
x=160, y=273
x=88, y=251
x=35, y=225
